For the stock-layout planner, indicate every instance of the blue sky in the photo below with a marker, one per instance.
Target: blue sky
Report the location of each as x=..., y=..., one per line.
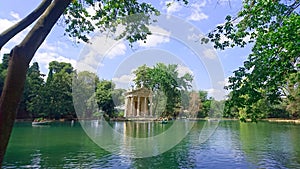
x=117, y=59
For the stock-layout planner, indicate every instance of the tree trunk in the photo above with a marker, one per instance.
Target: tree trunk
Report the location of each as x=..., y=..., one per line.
x=24, y=23
x=20, y=58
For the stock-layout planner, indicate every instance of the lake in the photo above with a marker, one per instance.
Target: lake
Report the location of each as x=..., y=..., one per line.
x=231, y=144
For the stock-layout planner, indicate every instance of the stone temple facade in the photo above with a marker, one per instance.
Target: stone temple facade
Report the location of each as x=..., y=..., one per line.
x=138, y=103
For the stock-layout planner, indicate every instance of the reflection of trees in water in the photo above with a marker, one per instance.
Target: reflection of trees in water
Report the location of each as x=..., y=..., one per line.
x=270, y=144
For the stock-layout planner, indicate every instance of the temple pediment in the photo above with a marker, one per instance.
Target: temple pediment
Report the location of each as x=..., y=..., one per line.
x=143, y=92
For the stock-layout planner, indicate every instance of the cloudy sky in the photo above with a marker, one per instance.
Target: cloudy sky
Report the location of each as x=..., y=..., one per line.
x=174, y=41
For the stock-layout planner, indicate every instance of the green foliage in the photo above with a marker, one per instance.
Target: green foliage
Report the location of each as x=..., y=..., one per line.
x=274, y=28
x=84, y=87
x=166, y=85
x=3, y=70
x=134, y=15
x=205, y=104
x=55, y=98
x=104, y=96
x=118, y=97
x=33, y=86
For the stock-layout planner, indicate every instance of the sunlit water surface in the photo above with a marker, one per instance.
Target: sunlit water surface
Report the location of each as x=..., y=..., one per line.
x=232, y=145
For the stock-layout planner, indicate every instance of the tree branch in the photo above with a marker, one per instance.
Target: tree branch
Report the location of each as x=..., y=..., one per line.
x=42, y=28
x=24, y=23
x=20, y=58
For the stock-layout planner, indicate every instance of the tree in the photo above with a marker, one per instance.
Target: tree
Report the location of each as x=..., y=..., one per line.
x=78, y=21
x=205, y=104
x=20, y=57
x=118, y=97
x=33, y=85
x=104, y=97
x=163, y=80
x=58, y=91
x=273, y=27
x=3, y=70
x=84, y=87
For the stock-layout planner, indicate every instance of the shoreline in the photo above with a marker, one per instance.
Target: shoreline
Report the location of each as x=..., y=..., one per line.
x=279, y=120
x=276, y=120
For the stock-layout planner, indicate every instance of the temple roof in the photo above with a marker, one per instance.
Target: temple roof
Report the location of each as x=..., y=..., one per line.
x=143, y=91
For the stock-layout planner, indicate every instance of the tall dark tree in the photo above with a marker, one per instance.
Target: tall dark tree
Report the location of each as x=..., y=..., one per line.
x=58, y=91
x=33, y=85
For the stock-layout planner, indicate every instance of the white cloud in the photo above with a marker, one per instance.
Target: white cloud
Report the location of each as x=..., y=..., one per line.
x=93, y=54
x=117, y=50
x=197, y=13
x=44, y=58
x=7, y=23
x=225, y=3
x=123, y=81
x=225, y=82
x=154, y=40
x=158, y=36
x=106, y=46
x=210, y=54
x=50, y=52
x=123, y=78
x=174, y=6
x=46, y=46
x=197, y=16
x=15, y=15
x=218, y=94
x=183, y=70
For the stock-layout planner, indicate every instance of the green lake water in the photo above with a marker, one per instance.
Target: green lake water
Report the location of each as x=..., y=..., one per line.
x=231, y=145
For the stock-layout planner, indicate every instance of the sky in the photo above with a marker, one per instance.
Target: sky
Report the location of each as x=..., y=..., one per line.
x=174, y=41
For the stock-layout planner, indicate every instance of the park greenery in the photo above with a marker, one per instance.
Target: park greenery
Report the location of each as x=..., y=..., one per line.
x=79, y=23
x=52, y=98
x=267, y=85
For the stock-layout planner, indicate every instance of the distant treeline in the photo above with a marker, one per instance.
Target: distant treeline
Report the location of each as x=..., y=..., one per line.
x=53, y=98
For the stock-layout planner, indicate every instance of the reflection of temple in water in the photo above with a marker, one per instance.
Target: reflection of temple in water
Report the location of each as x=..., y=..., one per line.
x=138, y=104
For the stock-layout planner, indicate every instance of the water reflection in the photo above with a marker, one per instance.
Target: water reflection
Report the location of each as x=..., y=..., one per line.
x=129, y=138
x=232, y=145
x=271, y=145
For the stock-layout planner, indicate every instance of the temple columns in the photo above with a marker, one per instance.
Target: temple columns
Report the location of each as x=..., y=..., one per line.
x=138, y=107
x=126, y=107
x=131, y=107
x=145, y=106
x=151, y=106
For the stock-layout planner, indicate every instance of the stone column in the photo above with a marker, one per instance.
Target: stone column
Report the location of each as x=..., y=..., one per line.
x=131, y=106
x=145, y=107
x=126, y=106
x=138, y=107
x=151, y=106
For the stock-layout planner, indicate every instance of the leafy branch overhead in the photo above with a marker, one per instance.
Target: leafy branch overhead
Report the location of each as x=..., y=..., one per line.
x=274, y=29
x=107, y=15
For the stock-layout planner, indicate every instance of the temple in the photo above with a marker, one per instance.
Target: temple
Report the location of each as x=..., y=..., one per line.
x=138, y=103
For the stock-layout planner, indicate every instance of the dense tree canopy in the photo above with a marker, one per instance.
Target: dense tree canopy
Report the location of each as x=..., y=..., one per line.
x=271, y=71
x=104, y=96
x=164, y=79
